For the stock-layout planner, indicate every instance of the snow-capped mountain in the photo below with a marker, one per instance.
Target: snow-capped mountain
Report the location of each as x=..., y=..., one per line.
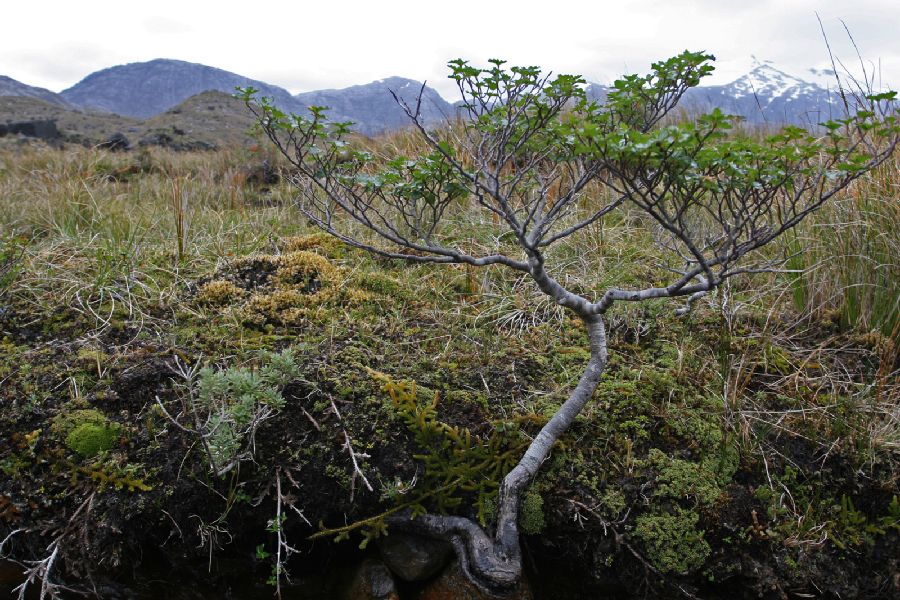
x=766, y=81
x=768, y=95
x=764, y=95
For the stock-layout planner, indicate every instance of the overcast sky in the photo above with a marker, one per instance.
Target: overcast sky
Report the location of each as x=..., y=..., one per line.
x=304, y=46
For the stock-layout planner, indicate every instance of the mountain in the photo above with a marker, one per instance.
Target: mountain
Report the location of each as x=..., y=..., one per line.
x=372, y=107
x=187, y=105
x=148, y=88
x=769, y=95
x=764, y=96
x=11, y=87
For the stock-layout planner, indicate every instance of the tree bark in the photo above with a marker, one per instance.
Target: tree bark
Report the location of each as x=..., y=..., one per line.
x=495, y=563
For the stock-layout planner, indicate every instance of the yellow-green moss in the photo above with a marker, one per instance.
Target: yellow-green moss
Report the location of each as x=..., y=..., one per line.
x=307, y=271
x=321, y=243
x=282, y=289
x=219, y=292
x=293, y=288
x=285, y=307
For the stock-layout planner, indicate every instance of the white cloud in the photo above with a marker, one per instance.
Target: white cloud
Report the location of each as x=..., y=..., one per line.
x=302, y=45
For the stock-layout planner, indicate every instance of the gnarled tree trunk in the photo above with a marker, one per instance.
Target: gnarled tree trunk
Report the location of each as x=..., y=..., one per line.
x=495, y=563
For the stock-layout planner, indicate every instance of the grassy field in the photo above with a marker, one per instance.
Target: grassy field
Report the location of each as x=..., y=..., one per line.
x=750, y=447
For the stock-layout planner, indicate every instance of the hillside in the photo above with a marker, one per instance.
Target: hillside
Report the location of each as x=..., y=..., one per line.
x=208, y=120
x=74, y=125
x=213, y=118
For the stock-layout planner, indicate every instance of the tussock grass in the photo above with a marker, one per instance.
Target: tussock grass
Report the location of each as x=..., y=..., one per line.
x=851, y=257
x=103, y=234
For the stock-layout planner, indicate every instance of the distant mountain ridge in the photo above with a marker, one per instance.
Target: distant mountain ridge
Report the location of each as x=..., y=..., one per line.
x=147, y=89
x=372, y=107
x=11, y=87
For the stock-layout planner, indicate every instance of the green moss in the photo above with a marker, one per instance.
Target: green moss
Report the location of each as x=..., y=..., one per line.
x=682, y=479
x=87, y=432
x=613, y=502
x=776, y=360
x=90, y=439
x=672, y=542
x=379, y=283
x=531, y=519
x=91, y=357
x=68, y=420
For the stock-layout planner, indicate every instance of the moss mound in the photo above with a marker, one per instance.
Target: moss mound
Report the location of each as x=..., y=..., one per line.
x=86, y=432
x=90, y=439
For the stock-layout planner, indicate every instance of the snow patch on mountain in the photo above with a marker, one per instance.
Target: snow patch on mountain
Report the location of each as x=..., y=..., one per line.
x=767, y=84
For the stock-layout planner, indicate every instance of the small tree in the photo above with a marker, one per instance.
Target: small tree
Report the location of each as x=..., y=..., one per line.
x=523, y=153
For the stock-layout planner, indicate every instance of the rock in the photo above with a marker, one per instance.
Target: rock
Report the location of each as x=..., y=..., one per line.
x=168, y=138
x=413, y=557
x=117, y=142
x=261, y=175
x=156, y=138
x=452, y=584
x=372, y=581
x=44, y=130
